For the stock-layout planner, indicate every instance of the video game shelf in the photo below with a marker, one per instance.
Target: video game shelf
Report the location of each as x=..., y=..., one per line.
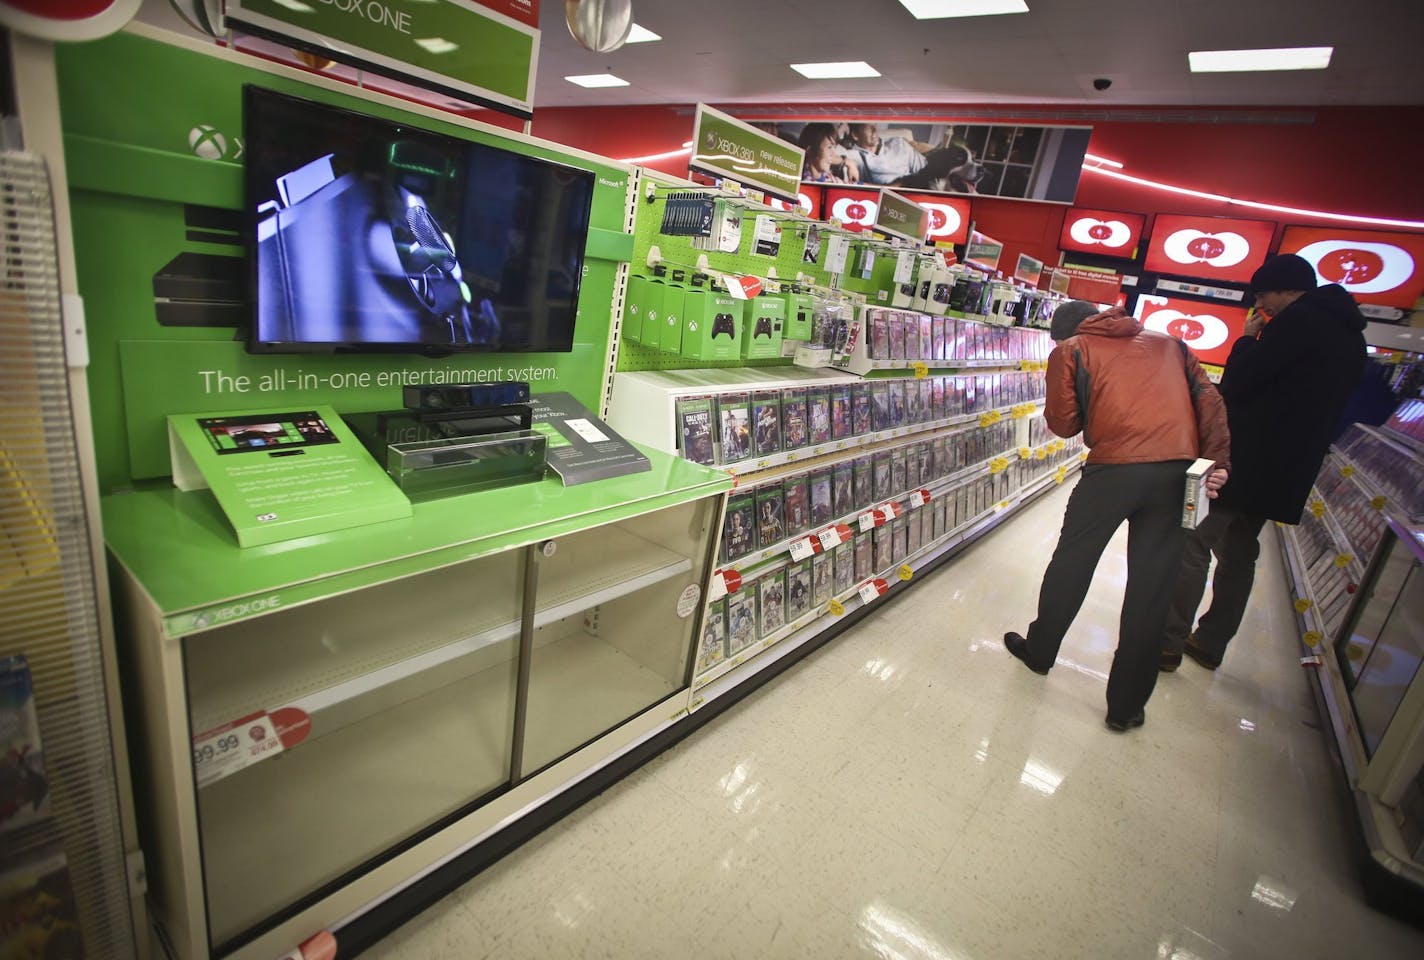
x=730, y=427
x=905, y=335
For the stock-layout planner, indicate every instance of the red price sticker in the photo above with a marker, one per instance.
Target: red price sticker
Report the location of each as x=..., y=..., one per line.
x=225, y=750
x=718, y=588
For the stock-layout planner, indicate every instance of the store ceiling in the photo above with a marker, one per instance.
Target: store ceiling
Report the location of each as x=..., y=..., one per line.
x=738, y=51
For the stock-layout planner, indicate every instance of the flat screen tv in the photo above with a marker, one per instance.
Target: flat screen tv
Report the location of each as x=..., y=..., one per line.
x=373, y=235
x=1374, y=266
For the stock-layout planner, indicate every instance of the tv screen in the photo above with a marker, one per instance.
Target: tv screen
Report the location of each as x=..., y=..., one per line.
x=1210, y=329
x=854, y=207
x=1375, y=266
x=1208, y=248
x=373, y=235
x=949, y=216
x=1108, y=233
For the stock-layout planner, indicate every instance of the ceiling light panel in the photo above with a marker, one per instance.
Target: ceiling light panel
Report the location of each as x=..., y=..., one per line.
x=1243, y=61
x=641, y=35
x=941, y=9
x=835, y=71
x=597, y=80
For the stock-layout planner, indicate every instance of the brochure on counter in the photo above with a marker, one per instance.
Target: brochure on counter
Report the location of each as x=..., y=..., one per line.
x=279, y=475
x=582, y=448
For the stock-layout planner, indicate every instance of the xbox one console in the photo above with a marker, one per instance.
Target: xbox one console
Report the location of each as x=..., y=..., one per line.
x=465, y=396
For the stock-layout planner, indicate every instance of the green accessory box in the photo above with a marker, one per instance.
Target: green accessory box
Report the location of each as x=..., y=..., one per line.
x=670, y=328
x=711, y=325
x=762, y=331
x=635, y=307
x=796, y=325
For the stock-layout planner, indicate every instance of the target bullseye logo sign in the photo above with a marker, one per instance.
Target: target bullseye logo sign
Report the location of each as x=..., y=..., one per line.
x=1381, y=268
x=856, y=210
x=1214, y=248
x=1108, y=233
x=810, y=199
x=1208, y=328
x=948, y=220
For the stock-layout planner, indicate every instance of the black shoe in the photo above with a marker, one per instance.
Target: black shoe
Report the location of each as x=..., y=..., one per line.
x=1210, y=661
x=1018, y=646
x=1122, y=726
x=1169, y=662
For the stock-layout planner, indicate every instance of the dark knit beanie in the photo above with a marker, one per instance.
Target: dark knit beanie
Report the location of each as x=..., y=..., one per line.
x=1284, y=272
x=1067, y=317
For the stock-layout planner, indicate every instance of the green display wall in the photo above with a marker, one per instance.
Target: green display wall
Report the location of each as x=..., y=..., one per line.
x=154, y=145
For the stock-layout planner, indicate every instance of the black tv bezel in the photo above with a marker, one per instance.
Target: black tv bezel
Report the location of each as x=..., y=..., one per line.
x=254, y=346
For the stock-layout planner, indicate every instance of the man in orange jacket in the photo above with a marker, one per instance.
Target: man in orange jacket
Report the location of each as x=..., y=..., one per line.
x=1146, y=411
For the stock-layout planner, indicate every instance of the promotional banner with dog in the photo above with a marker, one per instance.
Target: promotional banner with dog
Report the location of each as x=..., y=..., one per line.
x=1003, y=160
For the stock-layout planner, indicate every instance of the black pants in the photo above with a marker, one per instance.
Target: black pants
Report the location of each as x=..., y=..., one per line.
x=1235, y=539
x=1149, y=497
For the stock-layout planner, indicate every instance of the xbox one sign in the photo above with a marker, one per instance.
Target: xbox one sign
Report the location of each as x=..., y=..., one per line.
x=209, y=143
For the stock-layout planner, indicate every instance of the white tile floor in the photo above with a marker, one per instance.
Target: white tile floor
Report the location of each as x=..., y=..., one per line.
x=912, y=792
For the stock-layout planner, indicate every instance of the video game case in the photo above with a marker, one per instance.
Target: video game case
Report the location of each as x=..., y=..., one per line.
x=840, y=411
x=860, y=418
x=926, y=399
x=714, y=636
x=24, y=782
x=879, y=335
x=912, y=336
x=926, y=455
x=766, y=422
x=842, y=489
x=927, y=337
x=939, y=462
x=818, y=414
x=882, y=476
x=739, y=534
x=822, y=574
x=734, y=425
x=844, y=567
x=864, y=556
x=695, y=435
x=797, y=505
x=771, y=603
x=913, y=413
x=897, y=335
x=880, y=405
x=742, y=618
x=39, y=917
x=884, y=546
x=862, y=481
x=915, y=530
x=770, y=515
x=912, y=467
x=798, y=589
x=937, y=350
x=819, y=484
x=1195, y=503
x=939, y=508
x=899, y=478
x=795, y=428
x=899, y=539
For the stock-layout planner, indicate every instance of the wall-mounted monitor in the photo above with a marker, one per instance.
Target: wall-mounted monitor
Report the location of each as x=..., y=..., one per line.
x=855, y=207
x=949, y=216
x=811, y=197
x=1107, y=233
x=1208, y=248
x=1208, y=328
x=1375, y=266
x=369, y=234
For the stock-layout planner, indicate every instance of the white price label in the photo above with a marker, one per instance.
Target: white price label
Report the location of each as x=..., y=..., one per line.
x=830, y=538
x=904, y=266
x=587, y=430
x=919, y=498
x=225, y=750
x=718, y=588
x=868, y=591
x=867, y=521
x=802, y=549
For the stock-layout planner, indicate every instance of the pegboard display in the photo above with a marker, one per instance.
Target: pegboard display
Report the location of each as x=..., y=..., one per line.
x=678, y=252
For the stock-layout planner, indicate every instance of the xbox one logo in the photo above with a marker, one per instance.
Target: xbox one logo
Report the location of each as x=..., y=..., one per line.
x=208, y=142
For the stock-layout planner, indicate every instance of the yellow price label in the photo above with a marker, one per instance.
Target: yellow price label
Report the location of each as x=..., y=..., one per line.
x=1355, y=652
x=1025, y=365
x=986, y=419
x=1378, y=503
x=905, y=572
x=922, y=370
x=837, y=608
x=1003, y=504
x=1025, y=453
x=1041, y=453
x=1020, y=413
x=997, y=465
x=1301, y=605
x=1083, y=455
x=1343, y=560
x=1312, y=638
x=1317, y=509
x=1347, y=471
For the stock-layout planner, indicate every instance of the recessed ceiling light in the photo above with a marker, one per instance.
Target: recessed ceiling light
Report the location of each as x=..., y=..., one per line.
x=1240, y=61
x=641, y=35
x=597, y=80
x=835, y=71
x=940, y=9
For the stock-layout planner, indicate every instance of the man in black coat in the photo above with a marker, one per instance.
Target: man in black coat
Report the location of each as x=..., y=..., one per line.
x=1285, y=385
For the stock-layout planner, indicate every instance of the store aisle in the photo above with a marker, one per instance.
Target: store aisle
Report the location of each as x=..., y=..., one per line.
x=910, y=791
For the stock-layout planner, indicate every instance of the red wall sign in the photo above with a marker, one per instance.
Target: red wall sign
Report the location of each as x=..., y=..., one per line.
x=812, y=198
x=1108, y=233
x=1208, y=328
x=1374, y=266
x=1212, y=248
x=854, y=208
x=1095, y=286
x=949, y=216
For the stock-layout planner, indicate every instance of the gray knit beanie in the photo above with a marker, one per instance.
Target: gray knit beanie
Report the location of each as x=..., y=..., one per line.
x=1067, y=317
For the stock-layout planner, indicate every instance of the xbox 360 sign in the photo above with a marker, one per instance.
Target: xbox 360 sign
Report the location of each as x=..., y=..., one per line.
x=900, y=217
x=483, y=51
x=727, y=147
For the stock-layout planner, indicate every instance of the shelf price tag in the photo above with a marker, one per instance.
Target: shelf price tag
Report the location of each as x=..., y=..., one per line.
x=997, y=465
x=987, y=419
x=921, y=369
x=1302, y=604
x=718, y=587
x=868, y=521
x=890, y=509
x=919, y=498
x=1083, y=455
x=802, y=548
x=830, y=538
x=1317, y=509
x=1059, y=475
x=1025, y=365
x=1347, y=471
x=1021, y=411
x=1342, y=560
x=1312, y=638
x=871, y=589
x=836, y=608
x=1378, y=503
x=1041, y=453
x=1003, y=504
x=225, y=750
x=1025, y=453
x=905, y=573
